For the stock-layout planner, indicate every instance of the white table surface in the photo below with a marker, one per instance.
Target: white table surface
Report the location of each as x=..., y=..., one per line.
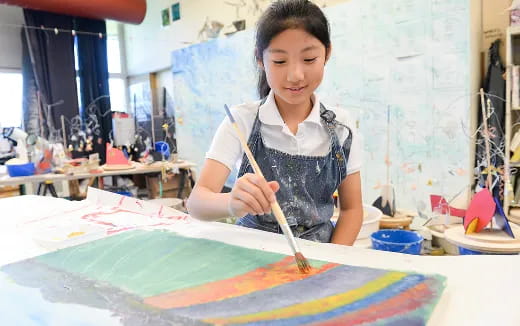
x=481, y=290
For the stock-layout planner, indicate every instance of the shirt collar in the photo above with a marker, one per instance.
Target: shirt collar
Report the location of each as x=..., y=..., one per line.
x=270, y=115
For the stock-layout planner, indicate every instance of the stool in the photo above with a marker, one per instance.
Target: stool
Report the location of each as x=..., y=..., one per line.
x=47, y=185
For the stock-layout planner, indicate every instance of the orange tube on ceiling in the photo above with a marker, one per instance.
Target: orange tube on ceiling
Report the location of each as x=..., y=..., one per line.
x=127, y=11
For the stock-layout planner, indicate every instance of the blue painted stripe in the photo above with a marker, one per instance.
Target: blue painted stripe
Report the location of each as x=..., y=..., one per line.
x=385, y=294
x=342, y=278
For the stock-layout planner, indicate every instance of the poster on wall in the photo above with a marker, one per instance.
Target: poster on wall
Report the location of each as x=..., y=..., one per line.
x=176, y=11
x=165, y=17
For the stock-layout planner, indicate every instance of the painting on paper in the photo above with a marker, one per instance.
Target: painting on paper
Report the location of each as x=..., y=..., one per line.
x=161, y=278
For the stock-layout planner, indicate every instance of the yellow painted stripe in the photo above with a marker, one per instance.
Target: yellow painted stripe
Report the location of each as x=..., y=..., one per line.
x=316, y=306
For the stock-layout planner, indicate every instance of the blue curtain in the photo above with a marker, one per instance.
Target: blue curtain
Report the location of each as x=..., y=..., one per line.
x=31, y=113
x=52, y=60
x=93, y=74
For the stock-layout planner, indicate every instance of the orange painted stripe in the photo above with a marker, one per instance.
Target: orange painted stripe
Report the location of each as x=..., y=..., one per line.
x=281, y=272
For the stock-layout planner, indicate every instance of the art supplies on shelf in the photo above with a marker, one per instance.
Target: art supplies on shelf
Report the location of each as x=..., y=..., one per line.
x=116, y=159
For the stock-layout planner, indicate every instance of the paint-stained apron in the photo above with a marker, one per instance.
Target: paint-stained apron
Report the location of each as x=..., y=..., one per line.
x=307, y=183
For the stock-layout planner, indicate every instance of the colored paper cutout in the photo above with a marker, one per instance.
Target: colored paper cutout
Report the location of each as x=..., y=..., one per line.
x=481, y=208
x=155, y=277
x=439, y=203
x=472, y=226
x=115, y=156
x=501, y=219
x=45, y=163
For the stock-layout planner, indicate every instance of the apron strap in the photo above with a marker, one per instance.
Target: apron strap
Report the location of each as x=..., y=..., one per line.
x=328, y=118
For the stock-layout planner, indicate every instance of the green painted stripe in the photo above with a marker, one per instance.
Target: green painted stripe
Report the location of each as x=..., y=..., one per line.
x=149, y=263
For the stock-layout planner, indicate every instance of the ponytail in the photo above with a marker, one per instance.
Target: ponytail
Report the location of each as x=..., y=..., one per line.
x=263, y=87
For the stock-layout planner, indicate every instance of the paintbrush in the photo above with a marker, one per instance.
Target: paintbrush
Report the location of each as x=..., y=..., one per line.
x=301, y=261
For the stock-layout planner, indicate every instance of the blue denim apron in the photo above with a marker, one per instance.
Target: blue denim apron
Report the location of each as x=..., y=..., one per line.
x=307, y=183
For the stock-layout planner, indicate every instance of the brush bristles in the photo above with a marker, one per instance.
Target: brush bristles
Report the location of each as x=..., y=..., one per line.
x=303, y=264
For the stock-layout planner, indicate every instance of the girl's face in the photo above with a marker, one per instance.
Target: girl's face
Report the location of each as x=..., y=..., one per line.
x=294, y=64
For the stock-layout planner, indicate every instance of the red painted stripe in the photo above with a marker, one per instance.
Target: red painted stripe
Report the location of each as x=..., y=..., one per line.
x=281, y=272
x=402, y=303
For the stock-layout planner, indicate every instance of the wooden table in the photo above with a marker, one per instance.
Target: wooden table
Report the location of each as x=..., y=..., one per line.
x=156, y=167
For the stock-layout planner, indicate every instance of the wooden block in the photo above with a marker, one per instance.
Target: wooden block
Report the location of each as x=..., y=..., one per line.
x=388, y=222
x=9, y=191
x=170, y=188
x=401, y=219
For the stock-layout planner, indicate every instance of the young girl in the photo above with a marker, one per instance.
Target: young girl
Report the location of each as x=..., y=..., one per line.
x=305, y=149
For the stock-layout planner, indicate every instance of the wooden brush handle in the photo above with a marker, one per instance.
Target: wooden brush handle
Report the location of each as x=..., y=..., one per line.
x=249, y=155
x=277, y=211
x=286, y=229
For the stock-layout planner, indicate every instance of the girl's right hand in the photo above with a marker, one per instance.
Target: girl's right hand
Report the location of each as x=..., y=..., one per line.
x=252, y=194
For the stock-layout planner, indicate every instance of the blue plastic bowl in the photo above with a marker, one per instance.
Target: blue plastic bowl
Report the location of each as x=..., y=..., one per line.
x=163, y=148
x=124, y=193
x=402, y=241
x=466, y=251
x=20, y=170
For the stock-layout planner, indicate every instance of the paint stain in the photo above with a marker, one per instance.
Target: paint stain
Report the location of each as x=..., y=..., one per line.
x=75, y=234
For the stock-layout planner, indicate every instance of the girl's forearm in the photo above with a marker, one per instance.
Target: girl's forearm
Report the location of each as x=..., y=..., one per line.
x=348, y=226
x=206, y=205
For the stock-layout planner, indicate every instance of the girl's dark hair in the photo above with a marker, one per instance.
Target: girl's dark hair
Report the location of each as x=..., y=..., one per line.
x=288, y=14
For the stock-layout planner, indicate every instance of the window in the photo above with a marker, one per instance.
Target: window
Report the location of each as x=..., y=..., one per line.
x=78, y=86
x=117, y=81
x=11, y=99
x=114, y=54
x=117, y=94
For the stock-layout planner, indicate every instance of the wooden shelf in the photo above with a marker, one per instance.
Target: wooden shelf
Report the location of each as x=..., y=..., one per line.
x=514, y=220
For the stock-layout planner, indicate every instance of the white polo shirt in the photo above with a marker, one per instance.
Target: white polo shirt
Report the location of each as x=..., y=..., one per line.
x=311, y=139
